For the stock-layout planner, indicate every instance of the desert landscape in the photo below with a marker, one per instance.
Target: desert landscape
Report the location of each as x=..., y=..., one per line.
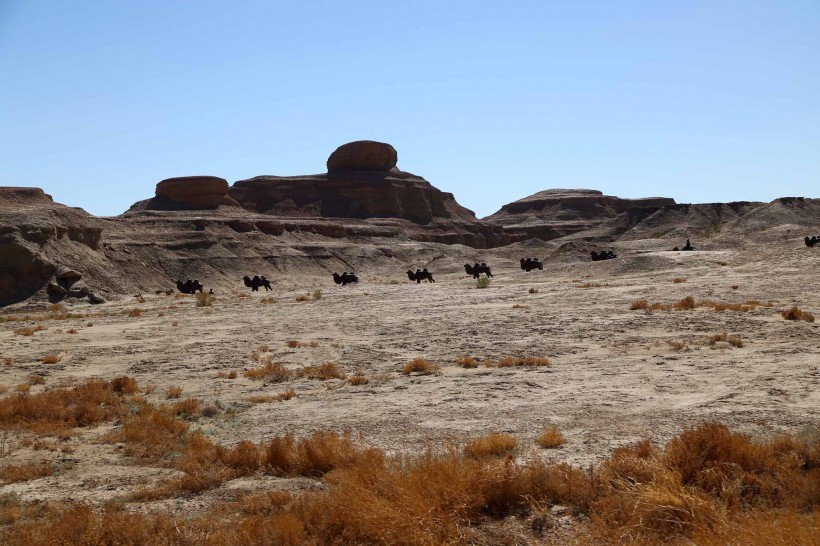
x=254, y=416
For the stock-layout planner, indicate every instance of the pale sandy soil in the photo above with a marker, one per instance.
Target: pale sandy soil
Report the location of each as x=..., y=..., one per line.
x=614, y=378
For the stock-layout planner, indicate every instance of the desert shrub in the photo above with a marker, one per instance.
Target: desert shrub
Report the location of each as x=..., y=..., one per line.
x=483, y=282
x=419, y=365
x=733, y=340
x=639, y=304
x=275, y=371
x=26, y=472
x=677, y=345
x=317, y=294
x=71, y=331
x=28, y=330
x=302, y=297
x=358, y=380
x=795, y=313
x=533, y=290
x=551, y=437
x=467, y=362
x=492, y=445
x=135, y=312
x=227, y=375
x=678, y=280
x=124, y=385
x=522, y=361
x=293, y=344
x=324, y=372
x=205, y=299
x=188, y=408
x=173, y=392
x=51, y=359
x=35, y=379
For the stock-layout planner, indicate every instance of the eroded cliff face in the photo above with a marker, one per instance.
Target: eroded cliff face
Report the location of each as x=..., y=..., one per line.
x=38, y=237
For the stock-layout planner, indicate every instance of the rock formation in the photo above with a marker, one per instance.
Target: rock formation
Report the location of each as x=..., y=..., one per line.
x=188, y=193
x=363, y=155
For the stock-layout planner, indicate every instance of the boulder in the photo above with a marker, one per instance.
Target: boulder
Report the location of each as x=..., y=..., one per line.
x=95, y=299
x=363, y=155
x=197, y=192
x=68, y=275
x=55, y=289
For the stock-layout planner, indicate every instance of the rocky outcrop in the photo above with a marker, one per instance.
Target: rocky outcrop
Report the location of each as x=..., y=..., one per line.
x=555, y=213
x=39, y=238
x=363, y=155
x=188, y=193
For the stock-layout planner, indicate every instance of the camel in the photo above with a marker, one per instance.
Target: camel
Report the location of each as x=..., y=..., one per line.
x=256, y=282
x=477, y=269
x=189, y=286
x=603, y=255
x=810, y=242
x=420, y=275
x=530, y=264
x=266, y=283
x=345, y=278
x=688, y=246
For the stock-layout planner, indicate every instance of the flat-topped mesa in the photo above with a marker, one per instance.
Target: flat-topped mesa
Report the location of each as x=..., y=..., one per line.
x=23, y=196
x=554, y=213
x=362, y=182
x=188, y=193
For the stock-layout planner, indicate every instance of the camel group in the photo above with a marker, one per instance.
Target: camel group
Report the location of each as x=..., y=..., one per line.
x=189, y=286
x=477, y=269
x=345, y=278
x=530, y=264
x=420, y=275
x=603, y=255
x=256, y=282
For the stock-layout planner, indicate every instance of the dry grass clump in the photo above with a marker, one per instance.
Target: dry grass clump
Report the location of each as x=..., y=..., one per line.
x=173, y=392
x=533, y=290
x=551, y=437
x=293, y=344
x=51, y=359
x=26, y=472
x=28, y=330
x=188, y=408
x=467, y=362
x=358, y=379
x=732, y=340
x=589, y=285
x=324, y=372
x=135, y=312
x=274, y=371
x=23, y=388
x=795, y=313
x=205, y=299
x=303, y=297
x=317, y=295
x=519, y=306
x=419, y=365
x=522, y=361
x=492, y=445
x=226, y=375
x=707, y=486
x=267, y=300
x=639, y=304
x=483, y=282
x=677, y=345
x=35, y=379
x=71, y=331
x=124, y=385
x=266, y=398
x=678, y=280
x=689, y=303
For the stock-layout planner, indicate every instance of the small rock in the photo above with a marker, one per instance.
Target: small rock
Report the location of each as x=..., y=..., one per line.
x=94, y=298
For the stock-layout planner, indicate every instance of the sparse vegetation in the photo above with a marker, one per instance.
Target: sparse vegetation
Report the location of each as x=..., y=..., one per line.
x=324, y=372
x=732, y=340
x=274, y=371
x=51, y=359
x=678, y=280
x=268, y=300
x=677, y=345
x=492, y=445
x=419, y=365
x=293, y=344
x=135, y=312
x=483, y=282
x=689, y=303
x=551, y=437
x=226, y=375
x=317, y=295
x=173, y=392
x=124, y=385
x=35, y=379
x=205, y=299
x=28, y=330
x=358, y=379
x=533, y=290
x=26, y=472
x=467, y=362
x=522, y=361
x=303, y=297
x=795, y=313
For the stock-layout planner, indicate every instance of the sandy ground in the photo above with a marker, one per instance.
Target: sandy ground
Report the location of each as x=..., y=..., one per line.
x=614, y=379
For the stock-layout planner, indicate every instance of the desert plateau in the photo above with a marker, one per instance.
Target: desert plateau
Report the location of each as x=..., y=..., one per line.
x=661, y=396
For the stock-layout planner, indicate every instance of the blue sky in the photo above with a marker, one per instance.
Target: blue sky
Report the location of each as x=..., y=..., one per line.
x=697, y=100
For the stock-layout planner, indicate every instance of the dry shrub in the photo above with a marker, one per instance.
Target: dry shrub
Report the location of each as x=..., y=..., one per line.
x=149, y=388
x=678, y=280
x=735, y=286
x=23, y=388
x=483, y=282
x=188, y=408
x=677, y=345
x=293, y=344
x=267, y=300
x=639, y=304
x=313, y=344
x=265, y=398
x=275, y=371
x=173, y=392
x=315, y=455
x=467, y=362
x=26, y=472
x=71, y=331
x=317, y=294
x=205, y=299
x=51, y=359
x=589, y=285
x=686, y=303
x=227, y=375
x=324, y=372
x=522, y=361
x=419, y=365
x=533, y=291
x=358, y=380
x=286, y=395
x=264, y=348
x=28, y=330
x=3, y=389
x=8, y=361
x=519, y=306
x=35, y=379
x=302, y=297
x=88, y=404
x=796, y=314
x=732, y=340
x=492, y=445
x=135, y=312
x=124, y=385
x=551, y=437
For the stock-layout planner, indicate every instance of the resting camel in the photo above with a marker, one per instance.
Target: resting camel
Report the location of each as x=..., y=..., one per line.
x=603, y=255
x=345, y=278
x=810, y=242
x=189, y=286
x=477, y=269
x=420, y=275
x=530, y=264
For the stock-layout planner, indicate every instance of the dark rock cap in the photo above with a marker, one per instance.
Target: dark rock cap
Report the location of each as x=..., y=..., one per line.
x=363, y=155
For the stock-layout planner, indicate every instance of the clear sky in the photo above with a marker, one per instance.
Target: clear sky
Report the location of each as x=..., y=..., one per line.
x=702, y=101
